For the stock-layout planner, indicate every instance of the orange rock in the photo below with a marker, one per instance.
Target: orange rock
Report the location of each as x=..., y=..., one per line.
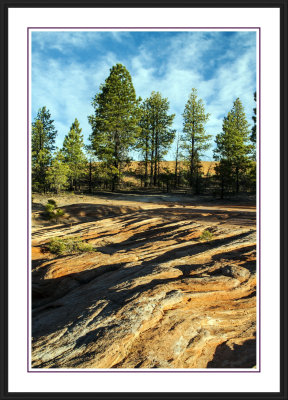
x=152, y=295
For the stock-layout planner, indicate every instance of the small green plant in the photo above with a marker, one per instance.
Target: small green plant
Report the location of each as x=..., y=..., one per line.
x=70, y=245
x=206, y=236
x=51, y=212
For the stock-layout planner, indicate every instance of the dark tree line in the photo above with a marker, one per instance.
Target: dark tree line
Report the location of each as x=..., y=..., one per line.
x=122, y=123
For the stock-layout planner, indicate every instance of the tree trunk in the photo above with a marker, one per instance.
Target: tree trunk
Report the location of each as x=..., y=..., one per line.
x=237, y=179
x=151, y=168
x=197, y=181
x=155, y=167
x=146, y=163
x=146, y=171
x=192, y=169
x=90, y=176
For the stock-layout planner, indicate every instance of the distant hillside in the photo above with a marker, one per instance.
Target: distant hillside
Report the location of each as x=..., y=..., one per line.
x=207, y=166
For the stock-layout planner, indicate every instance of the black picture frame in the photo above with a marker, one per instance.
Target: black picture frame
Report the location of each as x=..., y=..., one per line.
x=8, y=4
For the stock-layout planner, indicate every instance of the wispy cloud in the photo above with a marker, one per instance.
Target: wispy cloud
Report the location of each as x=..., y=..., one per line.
x=68, y=67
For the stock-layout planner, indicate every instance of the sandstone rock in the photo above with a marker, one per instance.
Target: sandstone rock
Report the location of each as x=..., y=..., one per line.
x=152, y=295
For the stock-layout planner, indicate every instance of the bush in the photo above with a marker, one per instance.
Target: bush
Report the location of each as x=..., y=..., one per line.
x=70, y=245
x=51, y=212
x=206, y=235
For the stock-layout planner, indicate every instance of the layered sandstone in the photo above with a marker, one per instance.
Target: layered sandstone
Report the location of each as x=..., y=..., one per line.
x=152, y=294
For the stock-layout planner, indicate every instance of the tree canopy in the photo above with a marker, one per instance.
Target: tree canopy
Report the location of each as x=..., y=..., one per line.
x=115, y=123
x=74, y=156
x=195, y=140
x=156, y=135
x=122, y=124
x=234, y=148
x=43, y=144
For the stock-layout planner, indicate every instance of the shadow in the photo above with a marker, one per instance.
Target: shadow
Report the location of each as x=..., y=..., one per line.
x=242, y=356
x=37, y=207
x=153, y=195
x=133, y=242
x=98, y=284
x=240, y=255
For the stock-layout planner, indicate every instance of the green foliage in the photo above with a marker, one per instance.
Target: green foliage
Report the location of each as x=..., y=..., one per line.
x=156, y=135
x=57, y=174
x=115, y=123
x=167, y=178
x=74, y=156
x=254, y=129
x=71, y=245
x=53, y=213
x=233, y=149
x=90, y=166
x=43, y=139
x=206, y=236
x=195, y=140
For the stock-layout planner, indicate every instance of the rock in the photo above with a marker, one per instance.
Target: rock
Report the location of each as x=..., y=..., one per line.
x=152, y=295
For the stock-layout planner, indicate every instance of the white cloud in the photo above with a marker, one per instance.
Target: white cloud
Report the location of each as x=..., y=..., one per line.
x=173, y=68
x=186, y=60
x=67, y=91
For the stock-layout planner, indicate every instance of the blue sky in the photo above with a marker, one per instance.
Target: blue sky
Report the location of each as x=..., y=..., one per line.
x=69, y=66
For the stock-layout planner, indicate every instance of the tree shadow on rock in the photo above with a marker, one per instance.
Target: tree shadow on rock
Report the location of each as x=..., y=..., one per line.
x=241, y=356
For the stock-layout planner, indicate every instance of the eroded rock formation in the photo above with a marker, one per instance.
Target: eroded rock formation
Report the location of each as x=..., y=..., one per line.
x=152, y=295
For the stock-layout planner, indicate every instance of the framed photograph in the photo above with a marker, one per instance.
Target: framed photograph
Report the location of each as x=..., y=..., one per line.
x=144, y=210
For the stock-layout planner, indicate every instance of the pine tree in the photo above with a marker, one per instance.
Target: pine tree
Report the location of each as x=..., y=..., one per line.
x=233, y=149
x=177, y=157
x=115, y=123
x=195, y=140
x=57, y=174
x=91, y=159
x=46, y=137
x=43, y=140
x=73, y=153
x=254, y=127
x=156, y=135
x=144, y=138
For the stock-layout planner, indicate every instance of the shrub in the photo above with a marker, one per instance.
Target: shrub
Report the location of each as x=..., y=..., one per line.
x=51, y=212
x=70, y=245
x=206, y=235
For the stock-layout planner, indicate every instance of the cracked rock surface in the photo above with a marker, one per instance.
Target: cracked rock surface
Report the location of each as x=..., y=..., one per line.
x=152, y=294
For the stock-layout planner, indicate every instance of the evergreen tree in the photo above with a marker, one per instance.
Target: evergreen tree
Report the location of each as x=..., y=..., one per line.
x=73, y=154
x=156, y=135
x=195, y=140
x=115, y=123
x=144, y=138
x=233, y=149
x=177, y=157
x=43, y=140
x=254, y=127
x=46, y=137
x=57, y=174
x=91, y=160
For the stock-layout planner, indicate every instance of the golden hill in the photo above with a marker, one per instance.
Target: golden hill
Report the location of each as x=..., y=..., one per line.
x=207, y=166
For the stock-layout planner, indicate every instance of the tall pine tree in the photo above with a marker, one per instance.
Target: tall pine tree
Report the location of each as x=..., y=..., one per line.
x=156, y=135
x=195, y=140
x=233, y=149
x=57, y=174
x=115, y=123
x=43, y=144
x=74, y=156
x=253, y=136
x=144, y=138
